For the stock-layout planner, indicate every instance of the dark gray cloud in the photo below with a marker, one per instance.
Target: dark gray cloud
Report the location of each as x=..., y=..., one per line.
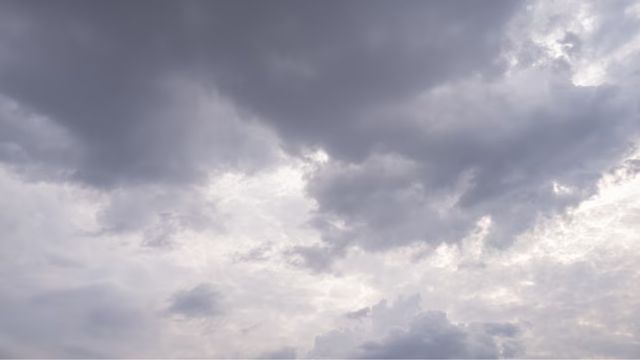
x=317, y=71
x=410, y=100
x=435, y=116
x=312, y=70
x=495, y=146
x=475, y=149
x=112, y=74
x=134, y=88
x=33, y=145
x=200, y=302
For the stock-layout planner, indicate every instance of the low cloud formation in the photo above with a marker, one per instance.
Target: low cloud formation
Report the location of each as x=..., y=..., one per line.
x=403, y=331
x=440, y=179
x=241, y=179
x=107, y=73
x=446, y=156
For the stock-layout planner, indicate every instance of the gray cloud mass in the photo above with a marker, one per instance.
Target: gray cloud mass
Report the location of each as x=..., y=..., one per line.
x=409, y=333
x=101, y=70
x=244, y=179
x=201, y=301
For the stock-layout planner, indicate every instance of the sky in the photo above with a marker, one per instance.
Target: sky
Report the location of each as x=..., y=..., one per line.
x=319, y=179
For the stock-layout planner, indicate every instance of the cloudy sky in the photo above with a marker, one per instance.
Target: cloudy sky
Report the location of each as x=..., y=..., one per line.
x=350, y=179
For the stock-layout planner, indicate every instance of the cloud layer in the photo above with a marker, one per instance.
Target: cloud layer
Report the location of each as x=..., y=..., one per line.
x=362, y=179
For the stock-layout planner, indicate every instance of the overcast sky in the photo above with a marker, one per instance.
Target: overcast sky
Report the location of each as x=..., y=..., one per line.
x=324, y=179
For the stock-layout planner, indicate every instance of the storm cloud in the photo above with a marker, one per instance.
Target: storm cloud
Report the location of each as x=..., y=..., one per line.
x=356, y=179
x=108, y=72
